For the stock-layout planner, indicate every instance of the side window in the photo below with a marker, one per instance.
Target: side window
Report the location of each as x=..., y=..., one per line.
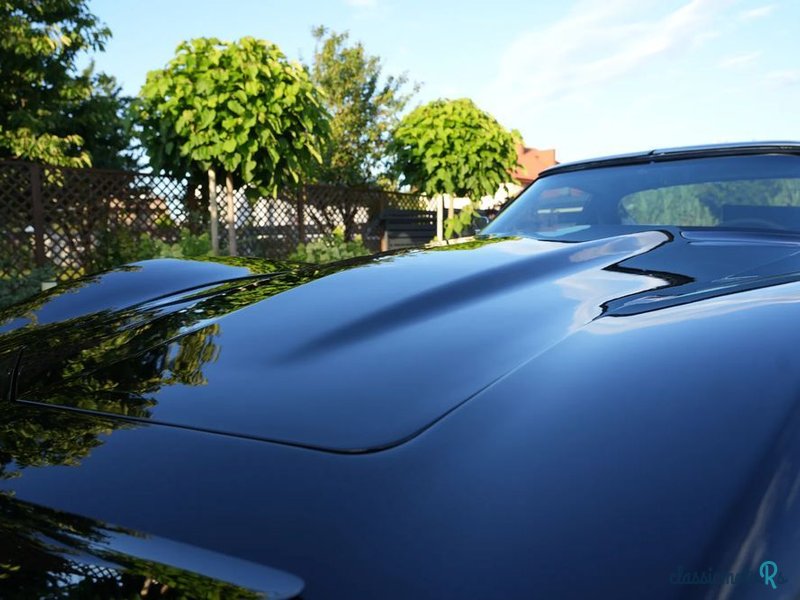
x=773, y=203
x=679, y=205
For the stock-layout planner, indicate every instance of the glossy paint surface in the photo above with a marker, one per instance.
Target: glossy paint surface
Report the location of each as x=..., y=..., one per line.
x=507, y=418
x=237, y=360
x=234, y=358
x=70, y=556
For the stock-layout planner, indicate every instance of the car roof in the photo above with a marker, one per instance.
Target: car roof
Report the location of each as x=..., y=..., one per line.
x=665, y=154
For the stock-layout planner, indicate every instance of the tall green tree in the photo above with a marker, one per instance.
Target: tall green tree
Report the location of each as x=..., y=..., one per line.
x=104, y=122
x=50, y=109
x=453, y=147
x=239, y=108
x=364, y=105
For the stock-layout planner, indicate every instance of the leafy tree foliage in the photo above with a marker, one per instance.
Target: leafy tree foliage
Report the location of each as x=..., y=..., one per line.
x=17, y=289
x=49, y=148
x=240, y=107
x=50, y=110
x=364, y=108
x=104, y=123
x=453, y=147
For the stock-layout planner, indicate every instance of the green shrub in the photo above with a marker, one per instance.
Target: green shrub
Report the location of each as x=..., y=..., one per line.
x=121, y=247
x=189, y=246
x=113, y=249
x=17, y=289
x=330, y=249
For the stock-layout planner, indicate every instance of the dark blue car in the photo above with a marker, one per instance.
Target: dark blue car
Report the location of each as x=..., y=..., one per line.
x=596, y=397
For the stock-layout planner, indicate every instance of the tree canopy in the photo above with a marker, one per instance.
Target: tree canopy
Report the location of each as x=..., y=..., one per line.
x=50, y=109
x=104, y=122
x=364, y=106
x=240, y=107
x=453, y=147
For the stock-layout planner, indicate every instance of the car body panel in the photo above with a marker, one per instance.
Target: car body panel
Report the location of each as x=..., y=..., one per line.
x=555, y=451
x=501, y=418
x=677, y=153
x=236, y=354
x=69, y=556
x=220, y=372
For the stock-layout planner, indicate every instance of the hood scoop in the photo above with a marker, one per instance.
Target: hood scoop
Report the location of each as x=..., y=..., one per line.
x=359, y=360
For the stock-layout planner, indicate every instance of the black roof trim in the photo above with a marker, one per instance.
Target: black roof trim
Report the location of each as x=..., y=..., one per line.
x=664, y=154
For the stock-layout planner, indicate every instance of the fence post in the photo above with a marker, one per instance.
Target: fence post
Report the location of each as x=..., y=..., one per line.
x=37, y=208
x=301, y=222
x=383, y=205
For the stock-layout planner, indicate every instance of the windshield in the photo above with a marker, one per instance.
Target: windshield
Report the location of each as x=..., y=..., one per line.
x=759, y=193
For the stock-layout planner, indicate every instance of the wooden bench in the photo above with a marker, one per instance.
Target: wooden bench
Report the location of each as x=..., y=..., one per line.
x=407, y=228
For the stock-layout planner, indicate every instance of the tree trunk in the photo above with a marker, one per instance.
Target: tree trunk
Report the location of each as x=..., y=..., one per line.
x=213, y=212
x=231, y=215
x=440, y=218
x=451, y=209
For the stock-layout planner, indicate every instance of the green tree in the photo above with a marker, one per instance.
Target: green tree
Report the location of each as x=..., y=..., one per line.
x=453, y=147
x=50, y=109
x=241, y=108
x=364, y=108
x=104, y=123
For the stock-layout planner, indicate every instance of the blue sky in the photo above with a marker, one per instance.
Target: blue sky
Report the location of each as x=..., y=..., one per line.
x=586, y=77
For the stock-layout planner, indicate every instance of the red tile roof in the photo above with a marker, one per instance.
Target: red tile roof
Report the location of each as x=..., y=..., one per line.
x=533, y=162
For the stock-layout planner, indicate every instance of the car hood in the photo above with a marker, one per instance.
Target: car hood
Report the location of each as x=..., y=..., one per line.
x=357, y=356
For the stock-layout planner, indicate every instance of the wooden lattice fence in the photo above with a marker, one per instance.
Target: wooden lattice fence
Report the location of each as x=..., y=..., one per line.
x=78, y=221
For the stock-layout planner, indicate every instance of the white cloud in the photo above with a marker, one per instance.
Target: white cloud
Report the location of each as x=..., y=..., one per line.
x=362, y=3
x=757, y=13
x=739, y=60
x=784, y=78
x=595, y=43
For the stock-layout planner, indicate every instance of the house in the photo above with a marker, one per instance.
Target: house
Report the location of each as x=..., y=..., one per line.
x=533, y=161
